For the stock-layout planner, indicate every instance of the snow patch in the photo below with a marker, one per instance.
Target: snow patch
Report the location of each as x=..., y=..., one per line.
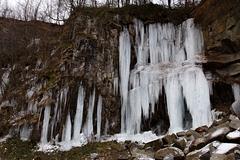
x=141, y=138
x=64, y=145
x=5, y=138
x=233, y=135
x=225, y=147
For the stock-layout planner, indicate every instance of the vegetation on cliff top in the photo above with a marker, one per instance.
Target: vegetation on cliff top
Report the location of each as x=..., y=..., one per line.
x=149, y=13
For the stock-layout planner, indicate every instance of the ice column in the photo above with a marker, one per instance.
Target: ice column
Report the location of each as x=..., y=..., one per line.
x=124, y=70
x=174, y=103
x=44, y=134
x=79, y=113
x=236, y=91
x=99, y=116
x=196, y=93
x=88, y=127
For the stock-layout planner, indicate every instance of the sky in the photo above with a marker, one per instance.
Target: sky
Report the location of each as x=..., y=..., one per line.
x=13, y=2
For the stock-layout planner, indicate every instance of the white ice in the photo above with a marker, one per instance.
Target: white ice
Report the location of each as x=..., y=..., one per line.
x=44, y=134
x=88, y=126
x=223, y=148
x=99, y=116
x=79, y=113
x=233, y=135
x=141, y=138
x=166, y=58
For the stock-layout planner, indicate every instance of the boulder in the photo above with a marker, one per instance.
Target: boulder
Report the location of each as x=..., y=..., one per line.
x=218, y=133
x=181, y=134
x=203, y=153
x=202, y=130
x=233, y=117
x=234, y=124
x=138, y=153
x=236, y=107
x=198, y=143
x=169, y=139
x=169, y=152
x=195, y=134
x=223, y=157
x=155, y=145
x=180, y=143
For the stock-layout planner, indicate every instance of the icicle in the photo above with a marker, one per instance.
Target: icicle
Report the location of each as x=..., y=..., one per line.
x=193, y=39
x=4, y=81
x=141, y=43
x=134, y=114
x=25, y=132
x=144, y=82
x=67, y=129
x=196, y=93
x=115, y=85
x=79, y=113
x=99, y=116
x=174, y=103
x=106, y=128
x=53, y=122
x=44, y=134
x=124, y=70
x=88, y=127
x=236, y=91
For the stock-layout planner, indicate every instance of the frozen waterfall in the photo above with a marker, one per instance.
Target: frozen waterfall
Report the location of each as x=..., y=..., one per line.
x=167, y=68
x=167, y=58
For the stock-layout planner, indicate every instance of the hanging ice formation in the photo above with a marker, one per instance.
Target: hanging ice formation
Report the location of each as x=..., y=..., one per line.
x=88, y=127
x=74, y=133
x=236, y=91
x=44, y=134
x=79, y=113
x=99, y=116
x=167, y=57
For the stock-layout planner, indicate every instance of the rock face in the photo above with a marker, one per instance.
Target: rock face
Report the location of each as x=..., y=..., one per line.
x=222, y=35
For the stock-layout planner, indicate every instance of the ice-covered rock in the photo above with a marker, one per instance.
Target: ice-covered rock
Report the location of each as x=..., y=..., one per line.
x=225, y=148
x=233, y=135
x=202, y=153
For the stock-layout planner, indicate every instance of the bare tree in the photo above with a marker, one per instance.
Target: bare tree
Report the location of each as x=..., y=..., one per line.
x=5, y=10
x=169, y=3
x=36, y=10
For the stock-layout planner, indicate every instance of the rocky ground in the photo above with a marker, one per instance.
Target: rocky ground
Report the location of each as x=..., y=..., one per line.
x=220, y=141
